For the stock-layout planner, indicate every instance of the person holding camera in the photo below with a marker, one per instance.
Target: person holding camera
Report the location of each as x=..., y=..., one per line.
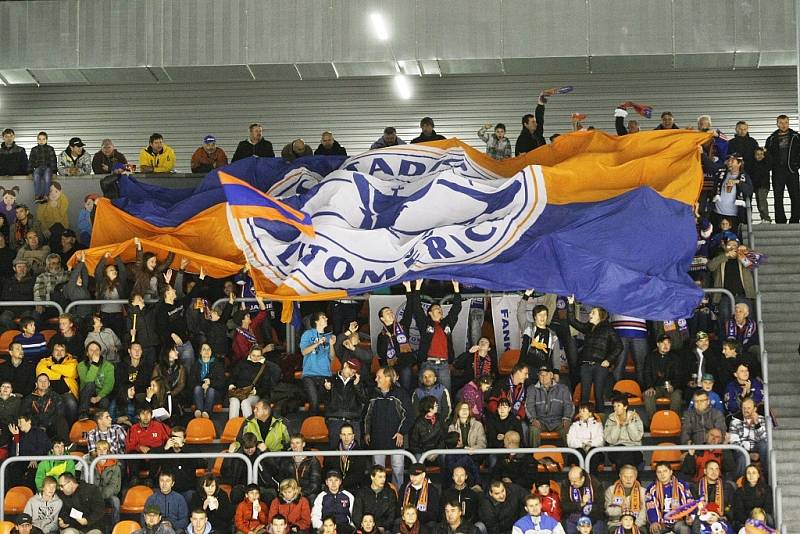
x=318, y=349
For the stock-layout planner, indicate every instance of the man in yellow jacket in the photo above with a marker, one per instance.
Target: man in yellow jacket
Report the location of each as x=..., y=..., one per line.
x=62, y=370
x=157, y=156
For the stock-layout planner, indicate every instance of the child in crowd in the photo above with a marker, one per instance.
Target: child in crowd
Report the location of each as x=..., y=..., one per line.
x=9, y=206
x=42, y=164
x=725, y=233
x=85, y=219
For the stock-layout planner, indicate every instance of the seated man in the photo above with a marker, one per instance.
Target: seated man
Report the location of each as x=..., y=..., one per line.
x=515, y=468
x=454, y=521
x=468, y=498
x=582, y=496
x=626, y=495
x=420, y=492
x=377, y=499
x=430, y=386
x=19, y=286
x=667, y=493
x=743, y=329
x=143, y=437
x=548, y=407
x=694, y=461
x=34, y=346
x=296, y=149
x=157, y=157
x=62, y=370
x=501, y=507
x=82, y=509
x=46, y=409
x=333, y=502
x=34, y=253
x=699, y=418
x=749, y=429
x=533, y=521
x=662, y=373
x=176, y=512
x=305, y=469
x=208, y=157
x=113, y=434
x=713, y=488
x=153, y=524
x=270, y=430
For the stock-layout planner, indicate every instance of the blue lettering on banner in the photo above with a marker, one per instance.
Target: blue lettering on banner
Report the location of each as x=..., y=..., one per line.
x=330, y=269
x=506, y=330
x=375, y=278
x=312, y=253
x=437, y=248
x=379, y=164
x=470, y=233
x=411, y=168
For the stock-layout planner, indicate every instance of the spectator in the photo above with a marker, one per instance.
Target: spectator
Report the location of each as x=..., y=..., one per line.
x=74, y=160
x=754, y=493
x=759, y=171
x=626, y=496
x=698, y=419
x=749, y=429
x=454, y=522
x=17, y=287
x=511, y=388
x=107, y=157
x=620, y=114
x=436, y=341
x=694, y=462
x=733, y=189
x=199, y=523
x=157, y=157
x=535, y=520
x=699, y=360
x=388, y=420
x=171, y=318
x=333, y=502
x=24, y=525
x=183, y=471
x=662, y=372
x=367, y=525
x=540, y=346
x=428, y=430
x=176, y=513
x=8, y=208
x=153, y=523
x=293, y=507
x=46, y=408
x=586, y=433
x=303, y=468
x=428, y=133
x=235, y=472
x=249, y=382
x=497, y=144
x=707, y=385
x=62, y=370
x=13, y=159
x=69, y=336
x=216, y=504
x=33, y=252
x=45, y=507
x=54, y=210
x=34, y=346
x=215, y=329
x=68, y=246
x=783, y=151
x=582, y=497
x=393, y=346
x=632, y=332
x=601, y=347
x=478, y=362
x=113, y=434
x=173, y=374
x=158, y=398
x=740, y=388
x=108, y=477
x=473, y=393
x=111, y=283
x=422, y=494
x=515, y=468
x=532, y=135
x=667, y=122
x=429, y=386
x=18, y=371
x=500, y=509
x=468, y=498
x=42, y=165
x=667, y=493
x=82, y=509
x=377, y=499
x=329, y=146
x=549, y=497
x=624, y=428
x=548, y=406
x=208, y=157
x=132, y=377
x=353, y=469
x=408, y=523
x=711, y=488
x=389, y=138
x=251, y=513
x=347, y=399
x=9, y=409
x=53, y=468
x=296, y=149
x=254, y=145
x=745, y=145
x=208, y=381
x=7, y=255
x=145, y=436
x=318, y=349
x=742, y=328
x=249, y=331
x=26, y=440
x=470, y=430
x=105, y=339
x=86, y=218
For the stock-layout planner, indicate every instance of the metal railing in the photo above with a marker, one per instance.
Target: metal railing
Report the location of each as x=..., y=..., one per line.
x=503, y=452
x=361, y=452
x=651, y=448
x=76, y=303
x=31, y=304
x=173, y=455
x=19, y=459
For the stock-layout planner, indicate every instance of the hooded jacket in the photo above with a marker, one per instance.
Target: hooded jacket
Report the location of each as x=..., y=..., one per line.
x=67, y=161
x=44, y=513
x=101, y=374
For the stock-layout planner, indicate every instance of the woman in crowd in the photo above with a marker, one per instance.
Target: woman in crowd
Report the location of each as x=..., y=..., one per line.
x=170, y=370
x=111, y=283
x=208, y=380
x=754, y=493
x=215, y=502
x=293, y=506
x=105, y=337
x=470, y=429
x=428, y=430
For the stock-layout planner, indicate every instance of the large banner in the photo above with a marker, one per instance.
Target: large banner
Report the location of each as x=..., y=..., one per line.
x=398, y=304
x=504, y=319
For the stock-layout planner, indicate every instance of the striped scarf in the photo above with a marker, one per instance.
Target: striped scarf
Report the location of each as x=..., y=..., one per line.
x=482, y=366
x=422, y=500
x=677, y=493
x=575, y=495
x=636, y=501
x=719, y=494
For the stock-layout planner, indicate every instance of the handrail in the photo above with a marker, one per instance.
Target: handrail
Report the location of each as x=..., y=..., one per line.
x=99, y=302
x=524, y=450
x=643, y=448
x=17, y=459
x=360, y=452
x=174, y=455
x=721, y=291
x=31, y=303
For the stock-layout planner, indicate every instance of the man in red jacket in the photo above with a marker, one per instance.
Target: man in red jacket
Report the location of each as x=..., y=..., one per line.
x=144, y=436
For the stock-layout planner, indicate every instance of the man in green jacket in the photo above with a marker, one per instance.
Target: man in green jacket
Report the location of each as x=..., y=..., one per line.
x=272, y=434
x=96, y=380
x=54, y=468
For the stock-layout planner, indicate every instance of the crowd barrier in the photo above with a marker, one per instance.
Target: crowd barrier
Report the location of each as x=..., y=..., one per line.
x=31, y=303
x=502, y=452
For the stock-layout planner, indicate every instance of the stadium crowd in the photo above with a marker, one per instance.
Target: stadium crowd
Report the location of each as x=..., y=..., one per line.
x=137, y=377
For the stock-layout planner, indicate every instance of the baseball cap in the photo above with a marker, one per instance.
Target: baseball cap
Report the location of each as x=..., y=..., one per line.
x=417, y=469
x=701, y=335
x=707, y=376
x=76, y=141
x=69, y=232
x=584, y=522
x=662, y=337
x=24, y=519
x=333, y=473
x=209, y=139
x=354, y=364
x=18, y=261
x=545, y=369
x=152, y=509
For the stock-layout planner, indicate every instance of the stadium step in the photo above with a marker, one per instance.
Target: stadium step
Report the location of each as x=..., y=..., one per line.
x=779, y=284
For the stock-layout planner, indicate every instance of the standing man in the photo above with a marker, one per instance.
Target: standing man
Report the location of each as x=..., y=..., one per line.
x=532, y=135
x=318, y=348
x=428, y=133
x=388, y=420
x=13, y=158
x=254, y=145
x=783, y=151
x=157, y=157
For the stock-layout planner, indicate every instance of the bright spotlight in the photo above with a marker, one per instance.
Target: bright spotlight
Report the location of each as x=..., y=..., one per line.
x=379, y=26
x=402, y=86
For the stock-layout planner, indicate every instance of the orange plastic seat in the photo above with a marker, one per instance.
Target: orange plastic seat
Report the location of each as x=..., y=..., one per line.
x=376, y=364
x=665, y=424
x=507, y=361
x=77, y=433
x=231, y=430
x=16, y=499
x=663, y=401
x=134, y=500
x=200, y=431
x=217, y=467
x=126, y=527
x=631, y=389
x=314, y=429
x=673, y=457
x=557, y=457
x=48, y=334
x=336, y=365
x=576, y=396
x=6, y=338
